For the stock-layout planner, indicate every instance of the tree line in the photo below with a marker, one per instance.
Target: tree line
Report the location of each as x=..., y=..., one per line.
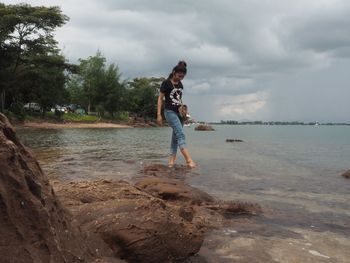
x=33, y=69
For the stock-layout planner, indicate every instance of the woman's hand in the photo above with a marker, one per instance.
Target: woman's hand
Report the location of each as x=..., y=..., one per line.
x=159, y=120
x=159, y=109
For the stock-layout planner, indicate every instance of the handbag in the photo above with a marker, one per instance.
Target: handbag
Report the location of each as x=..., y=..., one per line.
x=183, y=111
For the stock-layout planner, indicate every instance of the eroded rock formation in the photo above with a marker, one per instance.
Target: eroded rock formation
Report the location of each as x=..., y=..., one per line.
x=137, y=226
x=34, y=227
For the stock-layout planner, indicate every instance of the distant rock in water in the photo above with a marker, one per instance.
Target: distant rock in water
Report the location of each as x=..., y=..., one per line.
x=346, y=174
x=204, y=127
x=234, y=140
x=34, y=227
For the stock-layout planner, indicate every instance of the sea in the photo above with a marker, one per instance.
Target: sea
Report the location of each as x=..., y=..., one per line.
x=292, y=171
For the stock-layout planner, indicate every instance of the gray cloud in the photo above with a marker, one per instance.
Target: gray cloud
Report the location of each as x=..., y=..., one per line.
x=246, y=58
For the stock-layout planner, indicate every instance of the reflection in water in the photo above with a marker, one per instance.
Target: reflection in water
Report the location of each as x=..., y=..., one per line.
x=293, y=171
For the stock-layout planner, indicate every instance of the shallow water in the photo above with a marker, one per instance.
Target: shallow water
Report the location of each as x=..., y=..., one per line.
x=293, y=171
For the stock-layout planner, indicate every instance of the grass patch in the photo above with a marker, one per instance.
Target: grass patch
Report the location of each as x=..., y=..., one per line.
x=54, y=115
x=79, y=118
x=118, y=116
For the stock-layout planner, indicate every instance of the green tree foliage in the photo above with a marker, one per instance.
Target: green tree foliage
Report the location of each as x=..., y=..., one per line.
x=30, y=67
x=49, y=81
x=91, y=73
x=114, y=90
x=142, y=96
x=96, y=86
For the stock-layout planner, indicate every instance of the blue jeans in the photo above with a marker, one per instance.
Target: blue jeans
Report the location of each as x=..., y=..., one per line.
x=178, y=136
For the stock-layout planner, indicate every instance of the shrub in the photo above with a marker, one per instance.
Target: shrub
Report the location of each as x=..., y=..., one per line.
x=58, y=114
x=122, y=116
x=53, y=115
x=117, y=116
x=18, y=111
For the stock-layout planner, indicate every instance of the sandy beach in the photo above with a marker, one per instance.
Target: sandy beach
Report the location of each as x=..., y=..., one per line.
x=69, y=125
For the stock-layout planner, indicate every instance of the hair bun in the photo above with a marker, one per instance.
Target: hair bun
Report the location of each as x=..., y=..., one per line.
x=182, y=63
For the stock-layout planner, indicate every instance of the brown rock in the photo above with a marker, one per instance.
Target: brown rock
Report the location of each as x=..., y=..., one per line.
x=173, y=190
x=155, y=168
x=34, y=227
x=346, y=174
x=204, y=127
x=136, y=225
x=229, y=208
x=161, y=171
x=160, y=219
x=234, y=140
x=165, y=183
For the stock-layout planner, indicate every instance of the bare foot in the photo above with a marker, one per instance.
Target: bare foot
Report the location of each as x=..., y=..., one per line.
x=171, y=161
x=191, y=164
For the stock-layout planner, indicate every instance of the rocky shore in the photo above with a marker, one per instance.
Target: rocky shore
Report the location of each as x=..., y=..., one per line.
x=156, y=218
x=70, y=125
x=38, y=123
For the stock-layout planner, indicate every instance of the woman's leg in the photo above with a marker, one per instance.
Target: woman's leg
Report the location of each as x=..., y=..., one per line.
x=188, y=158
x=175, y=123
x=173, y=145
x=173, y=150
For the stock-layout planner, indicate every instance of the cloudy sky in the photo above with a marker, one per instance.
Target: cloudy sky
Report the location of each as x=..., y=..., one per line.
x=247, y=59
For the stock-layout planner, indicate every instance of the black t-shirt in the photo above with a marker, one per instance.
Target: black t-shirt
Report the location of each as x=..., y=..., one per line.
x=173, y=94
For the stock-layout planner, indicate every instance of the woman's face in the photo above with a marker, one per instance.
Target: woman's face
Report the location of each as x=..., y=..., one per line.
x=178, y=76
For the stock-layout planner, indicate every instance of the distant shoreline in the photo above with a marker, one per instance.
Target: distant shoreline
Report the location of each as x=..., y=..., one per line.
x=280, y=123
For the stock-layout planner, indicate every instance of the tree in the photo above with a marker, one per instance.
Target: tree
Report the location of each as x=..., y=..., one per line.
x=49, y=81
x=26, y=33
x=142, y=96
x=114, y=90
x=96, y=86
x=91, y=71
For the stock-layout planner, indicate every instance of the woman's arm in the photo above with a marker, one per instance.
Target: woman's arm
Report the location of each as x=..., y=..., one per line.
x=159, y=109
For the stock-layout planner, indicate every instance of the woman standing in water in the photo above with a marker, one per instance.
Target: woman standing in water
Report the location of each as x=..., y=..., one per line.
x=171, y=89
